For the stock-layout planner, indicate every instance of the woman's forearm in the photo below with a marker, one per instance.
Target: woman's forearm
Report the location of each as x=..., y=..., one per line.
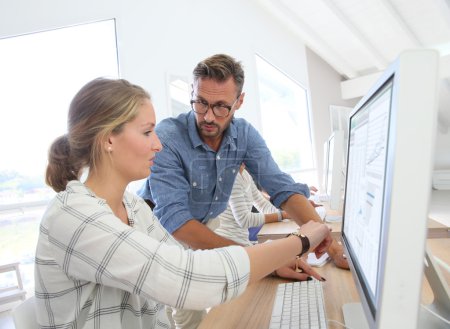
x=267, y=257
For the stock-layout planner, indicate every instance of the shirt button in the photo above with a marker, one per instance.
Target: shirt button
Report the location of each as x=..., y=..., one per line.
x=217, y=198
x=211, y=213
x=194, y=184
x=234, y=170
x=218, y=157
x=220, y=179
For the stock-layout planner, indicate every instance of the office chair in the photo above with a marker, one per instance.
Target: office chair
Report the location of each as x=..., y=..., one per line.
x=24, y=315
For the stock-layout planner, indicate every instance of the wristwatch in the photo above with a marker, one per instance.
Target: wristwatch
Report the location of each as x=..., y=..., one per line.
x=305, y=242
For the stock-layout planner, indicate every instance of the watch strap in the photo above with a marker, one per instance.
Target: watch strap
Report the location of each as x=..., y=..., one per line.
x=305, y=242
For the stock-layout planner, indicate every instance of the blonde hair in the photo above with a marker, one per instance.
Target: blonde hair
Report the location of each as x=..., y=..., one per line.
x=100, y=108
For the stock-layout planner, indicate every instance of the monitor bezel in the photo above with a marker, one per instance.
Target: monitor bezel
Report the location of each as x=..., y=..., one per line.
x=372, y=302
x=414, y=76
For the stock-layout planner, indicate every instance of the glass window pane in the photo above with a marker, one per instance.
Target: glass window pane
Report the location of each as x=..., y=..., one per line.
x=41, y=72
x=285, y=119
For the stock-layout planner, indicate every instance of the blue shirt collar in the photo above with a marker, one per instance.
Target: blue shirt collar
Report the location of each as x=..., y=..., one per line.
x=229, y=135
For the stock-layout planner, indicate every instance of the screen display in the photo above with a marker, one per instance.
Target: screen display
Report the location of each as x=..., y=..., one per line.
x=365, y=190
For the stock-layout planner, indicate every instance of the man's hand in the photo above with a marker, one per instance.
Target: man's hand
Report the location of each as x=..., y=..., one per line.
x=336, y=252
x=302, y=212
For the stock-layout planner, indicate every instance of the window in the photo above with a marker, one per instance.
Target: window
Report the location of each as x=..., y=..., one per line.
x=285, y=122
x=179, y=92
x=41, y=72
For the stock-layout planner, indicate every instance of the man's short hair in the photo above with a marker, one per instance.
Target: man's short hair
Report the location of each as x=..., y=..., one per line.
x=220, y=67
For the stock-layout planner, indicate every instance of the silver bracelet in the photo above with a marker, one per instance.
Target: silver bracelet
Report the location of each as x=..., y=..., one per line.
x=280, y=216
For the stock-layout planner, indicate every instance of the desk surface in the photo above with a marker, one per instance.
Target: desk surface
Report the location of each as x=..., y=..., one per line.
x=253, y=308
x=438, y=221
x=279, y=230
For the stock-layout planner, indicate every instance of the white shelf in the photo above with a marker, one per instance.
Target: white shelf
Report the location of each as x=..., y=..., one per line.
x=440, y=206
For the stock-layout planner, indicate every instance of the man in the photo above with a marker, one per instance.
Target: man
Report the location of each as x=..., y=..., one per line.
x=192, y=177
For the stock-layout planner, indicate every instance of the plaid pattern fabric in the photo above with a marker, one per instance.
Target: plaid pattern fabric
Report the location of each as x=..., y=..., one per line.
x=93, y=271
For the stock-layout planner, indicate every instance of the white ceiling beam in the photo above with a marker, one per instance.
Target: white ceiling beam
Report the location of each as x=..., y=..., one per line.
x=396, y=17
x=378, y=60
x=444, y=6
x=309, y=37
x=358, y=87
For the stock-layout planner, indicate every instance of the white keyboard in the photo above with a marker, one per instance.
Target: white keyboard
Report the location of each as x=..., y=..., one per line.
x=299, y=305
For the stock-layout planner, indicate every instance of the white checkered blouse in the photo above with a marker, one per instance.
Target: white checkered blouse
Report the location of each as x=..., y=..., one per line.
x=93, y=271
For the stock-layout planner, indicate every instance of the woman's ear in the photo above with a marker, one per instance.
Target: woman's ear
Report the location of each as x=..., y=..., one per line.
x=108, y=145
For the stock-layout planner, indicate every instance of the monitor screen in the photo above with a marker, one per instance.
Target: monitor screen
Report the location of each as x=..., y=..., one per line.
x=388, y=182
x=366, y=187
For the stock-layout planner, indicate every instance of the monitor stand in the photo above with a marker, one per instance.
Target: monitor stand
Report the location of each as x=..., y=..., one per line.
x=354, y=316
x=441, y=303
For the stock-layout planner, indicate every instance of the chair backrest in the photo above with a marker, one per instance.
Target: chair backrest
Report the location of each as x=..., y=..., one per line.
x=14, y=291
x=24, y=315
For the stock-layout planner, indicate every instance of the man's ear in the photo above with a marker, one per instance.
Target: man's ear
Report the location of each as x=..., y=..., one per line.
x=240, y=101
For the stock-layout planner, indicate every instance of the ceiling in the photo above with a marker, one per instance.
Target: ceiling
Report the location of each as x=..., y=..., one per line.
x=359, y=37
x=362, y=37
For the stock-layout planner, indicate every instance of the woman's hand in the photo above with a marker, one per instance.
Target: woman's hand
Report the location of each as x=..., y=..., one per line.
x=319, y=236
x=298, y=269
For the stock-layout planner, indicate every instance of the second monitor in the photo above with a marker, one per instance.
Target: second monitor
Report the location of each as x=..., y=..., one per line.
x=335, y=170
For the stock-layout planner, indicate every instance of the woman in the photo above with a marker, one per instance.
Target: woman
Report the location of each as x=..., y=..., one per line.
x=235, y=221
x=102, y=259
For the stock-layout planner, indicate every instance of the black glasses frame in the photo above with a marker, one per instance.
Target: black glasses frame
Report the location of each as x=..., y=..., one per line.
x=213, y=107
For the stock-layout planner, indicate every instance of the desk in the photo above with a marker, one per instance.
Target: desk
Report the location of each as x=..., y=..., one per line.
x=438, y=227
x=253, y=308
x=279, y=230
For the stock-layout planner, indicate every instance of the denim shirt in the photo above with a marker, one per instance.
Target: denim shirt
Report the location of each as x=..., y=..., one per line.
x=189, y=180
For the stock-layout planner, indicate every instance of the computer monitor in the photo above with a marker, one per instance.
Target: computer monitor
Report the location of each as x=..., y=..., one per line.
x=335, y=170
x=339, y=121
x=388, y=180
x=324, y=167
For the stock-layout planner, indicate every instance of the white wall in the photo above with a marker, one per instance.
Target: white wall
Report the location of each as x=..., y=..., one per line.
x=160, y=37
x=325, y=90
x=157, y=38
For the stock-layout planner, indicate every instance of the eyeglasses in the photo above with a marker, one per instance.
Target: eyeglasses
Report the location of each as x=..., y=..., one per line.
x=219, y=110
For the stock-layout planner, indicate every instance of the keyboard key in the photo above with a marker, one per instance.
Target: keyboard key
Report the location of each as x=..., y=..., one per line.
x=299, y=305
